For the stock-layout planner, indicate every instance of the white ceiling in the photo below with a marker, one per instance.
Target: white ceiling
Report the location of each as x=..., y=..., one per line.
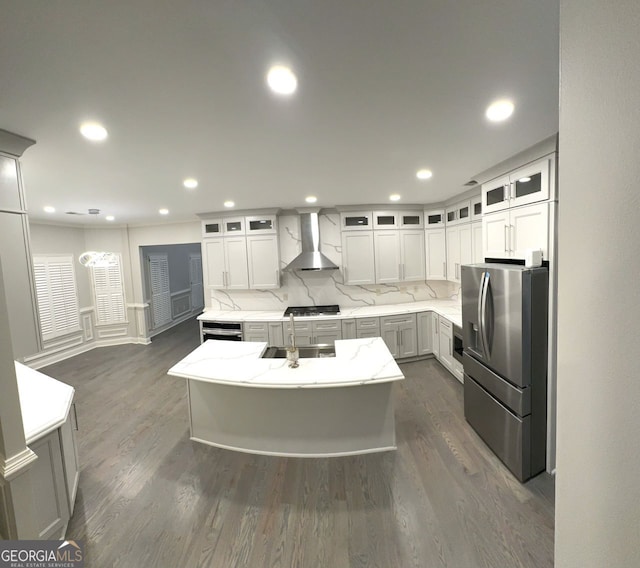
x=385, y=87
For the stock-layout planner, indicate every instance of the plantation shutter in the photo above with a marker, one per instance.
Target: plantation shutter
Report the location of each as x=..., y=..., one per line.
x=57, y=295
x=160, y=289
x=109, y=293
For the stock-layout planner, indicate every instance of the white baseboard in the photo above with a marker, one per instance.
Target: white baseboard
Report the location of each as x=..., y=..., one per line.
x=44, y=358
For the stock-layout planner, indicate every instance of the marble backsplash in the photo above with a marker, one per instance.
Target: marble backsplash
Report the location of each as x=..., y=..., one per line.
x=325, y=286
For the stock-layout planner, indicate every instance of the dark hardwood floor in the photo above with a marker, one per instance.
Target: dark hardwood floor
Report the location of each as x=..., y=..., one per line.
x=149, y=497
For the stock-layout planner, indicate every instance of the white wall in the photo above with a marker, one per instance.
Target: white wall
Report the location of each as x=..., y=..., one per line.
x=598, y=449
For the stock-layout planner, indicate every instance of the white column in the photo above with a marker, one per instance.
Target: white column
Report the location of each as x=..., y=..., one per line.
x=598, y=435
x=17, y=517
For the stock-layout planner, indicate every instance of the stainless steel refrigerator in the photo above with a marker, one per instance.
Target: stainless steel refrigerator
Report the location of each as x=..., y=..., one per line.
x=504, y=319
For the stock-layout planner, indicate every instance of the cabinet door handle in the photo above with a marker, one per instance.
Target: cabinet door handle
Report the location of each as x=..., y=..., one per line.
x=506, y=238
x=512, y=244
x=507, y=192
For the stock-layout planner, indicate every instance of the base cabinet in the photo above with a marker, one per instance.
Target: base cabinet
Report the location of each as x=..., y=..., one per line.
x=424, y=322
x=400, y=335
x=55, y=476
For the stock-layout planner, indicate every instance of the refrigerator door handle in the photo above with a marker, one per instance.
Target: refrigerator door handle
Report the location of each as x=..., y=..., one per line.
x=480, y=319
x=483, y=309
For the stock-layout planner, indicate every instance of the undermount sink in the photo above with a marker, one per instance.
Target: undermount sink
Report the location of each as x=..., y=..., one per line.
x=304, y=352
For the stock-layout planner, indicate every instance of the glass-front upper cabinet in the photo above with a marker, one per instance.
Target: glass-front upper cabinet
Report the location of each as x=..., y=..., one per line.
x=476, y=208
x=433, y=218
x=529, y=184
x=459, y=213
x=385, y=219
x=212, y=228
x=356, y=221
x=263, y=224
x=495, y=195
x=233, y=226
x=411, y=220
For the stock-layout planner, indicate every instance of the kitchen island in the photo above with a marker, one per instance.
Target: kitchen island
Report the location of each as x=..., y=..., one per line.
x=330, y=406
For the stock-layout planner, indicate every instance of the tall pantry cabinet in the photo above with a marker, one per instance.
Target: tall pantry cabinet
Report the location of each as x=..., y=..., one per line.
x=15, y=249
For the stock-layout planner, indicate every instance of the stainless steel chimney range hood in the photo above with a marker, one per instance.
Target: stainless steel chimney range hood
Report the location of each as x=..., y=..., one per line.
x=310, y=258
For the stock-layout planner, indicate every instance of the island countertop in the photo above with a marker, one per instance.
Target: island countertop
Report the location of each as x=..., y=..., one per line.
x=357, y=362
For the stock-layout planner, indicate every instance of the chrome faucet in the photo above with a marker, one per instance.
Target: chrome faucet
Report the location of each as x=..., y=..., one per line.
x=292, y=350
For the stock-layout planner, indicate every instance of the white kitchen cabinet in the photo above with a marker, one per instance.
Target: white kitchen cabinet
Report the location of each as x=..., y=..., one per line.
x=356, y=221
x=225, y=263
x=70, y=461
x=367, y=327
x=436, y=254
x=315, y=332
x=399, y=256
x=276, y=333
x=424, y=321
x=446, y=343
x=233, y=226
x=211, y=228
x=523, y=186
x=412, y=256
x=434, y=218
x=476, y=242
x=459, y=250
x=235, y=253
x=384, y=220
x=387, y=256
x=49, y=487
x=213, y=262
x=303, y=333
x=509, y=233
x=349, y=329
x=435, y=334
x=358, y=264
x=255, y=331
x=476, y=208
x=458, y=213
x=260, y=224
x=263, y=261
x=400, y=335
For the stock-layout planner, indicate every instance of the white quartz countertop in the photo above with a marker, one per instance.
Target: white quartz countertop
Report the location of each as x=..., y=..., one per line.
x=44, y=401
x=450, y=309
x=357, y=362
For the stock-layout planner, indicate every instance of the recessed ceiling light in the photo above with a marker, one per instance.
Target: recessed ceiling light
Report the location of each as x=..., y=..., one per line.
x=311, y=199
x=394, y=197
x=500, y=110
x=190, y=183
x=110, y=218
x=524, y=179
x=281, y=80
x=163, y=211
x=49, y=209
x=424, y=174
x=93, y=131
x=229, y=204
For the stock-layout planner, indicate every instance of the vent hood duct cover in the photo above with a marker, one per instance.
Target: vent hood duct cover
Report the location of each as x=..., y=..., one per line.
x=310, y=258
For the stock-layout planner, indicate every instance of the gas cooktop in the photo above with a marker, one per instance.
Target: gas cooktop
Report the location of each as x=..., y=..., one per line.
x=303, y=311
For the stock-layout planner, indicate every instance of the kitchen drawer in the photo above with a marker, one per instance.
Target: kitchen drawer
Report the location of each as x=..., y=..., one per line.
x=364, y=324
x=446, y=324
x=299, y=326
x=396, y=320
x=329, y=325
x=255, y=327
